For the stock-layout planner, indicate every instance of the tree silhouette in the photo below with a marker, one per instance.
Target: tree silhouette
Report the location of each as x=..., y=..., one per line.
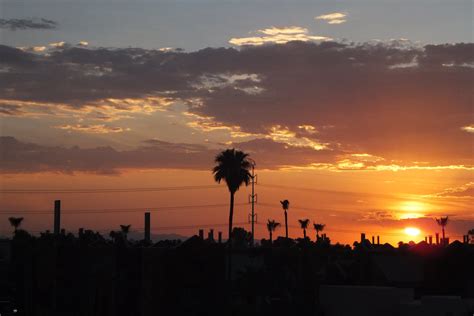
x=471, y=234
x=304, y=224
x=15, y=222
x=442, y=221
x=232, y=167
x=285, y=204
x=318, y=228
x=272, y=226
x=124, y=230
x=240, y=237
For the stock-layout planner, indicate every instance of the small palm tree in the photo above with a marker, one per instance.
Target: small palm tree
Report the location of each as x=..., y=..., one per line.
x=304, y=224
x=443, y=222
x=124, y=230
x=233, y=167
x=318, y=228
x=272, y=226
x=15, y=222
x=285, y=204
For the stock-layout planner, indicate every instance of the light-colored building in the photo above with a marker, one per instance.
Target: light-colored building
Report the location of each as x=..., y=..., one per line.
x=388, y=301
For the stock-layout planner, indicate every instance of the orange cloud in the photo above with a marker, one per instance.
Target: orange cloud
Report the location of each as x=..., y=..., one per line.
x=93, y=129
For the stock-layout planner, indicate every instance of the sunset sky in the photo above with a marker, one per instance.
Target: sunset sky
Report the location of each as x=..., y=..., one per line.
x=358, y=112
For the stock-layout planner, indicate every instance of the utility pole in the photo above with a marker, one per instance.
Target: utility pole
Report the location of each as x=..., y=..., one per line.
x=57, y=217
x=253, y=200
x=147, y=227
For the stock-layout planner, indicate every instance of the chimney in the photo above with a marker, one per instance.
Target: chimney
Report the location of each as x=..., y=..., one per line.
x=430, y=239
x=362, y=237
x=201, y=234
x=373, y=240
x=147, y=226
x=437, y=238
x=220, y=237
x=57, y=217
x=378, y=240
x=426, y=239
x=211, y=235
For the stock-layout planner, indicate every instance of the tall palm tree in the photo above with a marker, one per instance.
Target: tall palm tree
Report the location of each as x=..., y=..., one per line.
x=15, y=222
x=233, y=167
x=442, y=221
x=272, y=226
x=285, y=204
x=318, y=228
x=304, y=224
x=125, y=229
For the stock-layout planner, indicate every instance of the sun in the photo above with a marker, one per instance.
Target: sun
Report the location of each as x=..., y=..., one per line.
x=412, y=231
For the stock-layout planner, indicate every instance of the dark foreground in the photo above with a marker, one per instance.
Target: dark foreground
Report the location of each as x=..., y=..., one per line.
x=89, y=275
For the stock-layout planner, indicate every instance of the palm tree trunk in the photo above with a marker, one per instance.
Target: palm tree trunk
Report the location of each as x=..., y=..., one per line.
x=304, y=233
x=231, y=217
x=271, y=237
x=286, y=224
x=444, y=240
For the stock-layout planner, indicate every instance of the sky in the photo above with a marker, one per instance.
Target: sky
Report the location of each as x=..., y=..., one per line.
x=358, y=112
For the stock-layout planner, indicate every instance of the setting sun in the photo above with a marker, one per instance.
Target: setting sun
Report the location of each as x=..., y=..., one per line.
x=412, y=231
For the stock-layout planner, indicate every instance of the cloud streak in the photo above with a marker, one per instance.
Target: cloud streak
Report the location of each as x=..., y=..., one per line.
x=278, y=35
x=93, y=129
x=333, y=18
x=28, y=24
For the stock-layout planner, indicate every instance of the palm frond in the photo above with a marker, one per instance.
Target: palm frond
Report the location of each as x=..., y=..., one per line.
x=304, y=223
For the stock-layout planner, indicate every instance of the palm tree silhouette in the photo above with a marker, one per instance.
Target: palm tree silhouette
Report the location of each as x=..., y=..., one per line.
x=442, y=221
x=15, y=222
x=304, y=224
x=232, y=167
x=318, y=228
x=285, y=204
x=272, y=226
x=125, y=229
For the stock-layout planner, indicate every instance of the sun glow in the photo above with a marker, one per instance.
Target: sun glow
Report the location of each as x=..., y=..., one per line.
x=412, y=206
x=411, y=209
x=412, y=231
x=410, y=215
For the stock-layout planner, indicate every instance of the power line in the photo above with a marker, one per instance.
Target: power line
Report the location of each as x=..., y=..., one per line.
x=109, y=190
x=118, y=210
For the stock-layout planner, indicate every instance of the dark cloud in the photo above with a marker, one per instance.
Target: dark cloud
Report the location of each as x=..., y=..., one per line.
x=26, y=24
x=20, y=157
x=405, y=104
